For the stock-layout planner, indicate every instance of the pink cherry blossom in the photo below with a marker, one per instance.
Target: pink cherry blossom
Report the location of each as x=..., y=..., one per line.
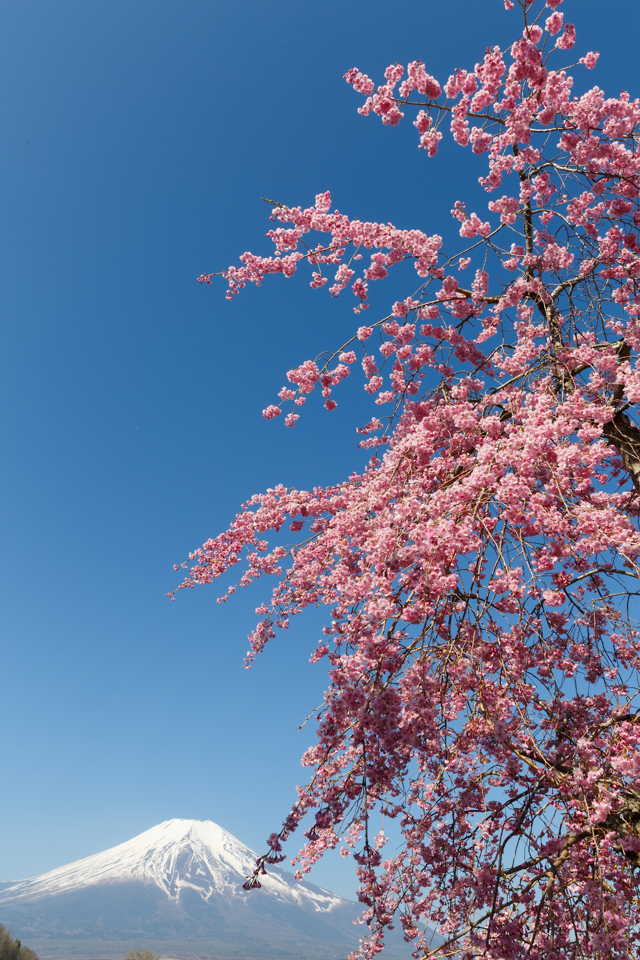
x=554, y=23
x=479, y=575
x=589, y=60
x=271, y=412
x=568, y=38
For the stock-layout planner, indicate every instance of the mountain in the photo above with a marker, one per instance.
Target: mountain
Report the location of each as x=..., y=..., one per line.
x=175, y=856
x=177, y=888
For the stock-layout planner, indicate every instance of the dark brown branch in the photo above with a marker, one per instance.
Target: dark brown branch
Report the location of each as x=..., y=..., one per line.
x=625, y=436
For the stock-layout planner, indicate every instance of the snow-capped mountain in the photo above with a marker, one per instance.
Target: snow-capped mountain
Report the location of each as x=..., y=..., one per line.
x=178, y=889
x=175, y=855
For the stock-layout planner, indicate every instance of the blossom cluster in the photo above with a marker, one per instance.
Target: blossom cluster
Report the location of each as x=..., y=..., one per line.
x=479, y=574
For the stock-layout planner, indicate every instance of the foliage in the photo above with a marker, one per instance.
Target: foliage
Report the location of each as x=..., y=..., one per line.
x=11, y=949
x=481, y=573
x=142, y=955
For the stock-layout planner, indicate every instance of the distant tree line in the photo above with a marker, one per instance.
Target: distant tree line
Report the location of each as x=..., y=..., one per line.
x=137, y=955
x=11, y=949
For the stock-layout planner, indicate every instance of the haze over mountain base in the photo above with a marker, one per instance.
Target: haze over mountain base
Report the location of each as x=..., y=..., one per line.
x=177, y=889
x=238, y=948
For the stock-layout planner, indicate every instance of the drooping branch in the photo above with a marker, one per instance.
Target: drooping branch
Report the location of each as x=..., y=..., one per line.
x=482, y=644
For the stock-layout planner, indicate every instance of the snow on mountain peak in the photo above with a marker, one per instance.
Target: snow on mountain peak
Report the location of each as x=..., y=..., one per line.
x=175, y=855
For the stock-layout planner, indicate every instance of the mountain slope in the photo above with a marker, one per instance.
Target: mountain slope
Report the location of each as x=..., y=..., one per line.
x=173, y=856
x=180, y=882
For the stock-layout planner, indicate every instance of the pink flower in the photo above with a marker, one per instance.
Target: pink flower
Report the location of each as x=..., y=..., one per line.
x=343, y=275
x=429, y=141
x=589, y=60
x=369, y=366
x=554, y=23
x=271, y=412
x=422, y=122
x=553, y=598
x=479, y=637
x=374, y=385
x=360, y=290
x=323, y=202
x=360, y=81
x=533, y=33
x=480, y=140
x=459, y=212
x=507, y=207
x=474, y=226
x=568, y=38
x=317, y=281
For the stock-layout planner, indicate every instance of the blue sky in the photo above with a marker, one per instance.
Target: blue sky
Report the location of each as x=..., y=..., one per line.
x=137, y=139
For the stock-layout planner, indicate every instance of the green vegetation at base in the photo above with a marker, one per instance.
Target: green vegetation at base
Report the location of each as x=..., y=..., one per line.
x=11, y=949
x=141, y=955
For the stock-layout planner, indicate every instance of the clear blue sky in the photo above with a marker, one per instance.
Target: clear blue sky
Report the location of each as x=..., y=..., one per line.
x=137, y=137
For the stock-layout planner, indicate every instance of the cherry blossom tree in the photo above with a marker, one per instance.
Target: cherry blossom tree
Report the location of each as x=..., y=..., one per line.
x=480, y=575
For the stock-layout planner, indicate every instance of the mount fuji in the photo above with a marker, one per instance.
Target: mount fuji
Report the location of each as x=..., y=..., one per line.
x=178, y=889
